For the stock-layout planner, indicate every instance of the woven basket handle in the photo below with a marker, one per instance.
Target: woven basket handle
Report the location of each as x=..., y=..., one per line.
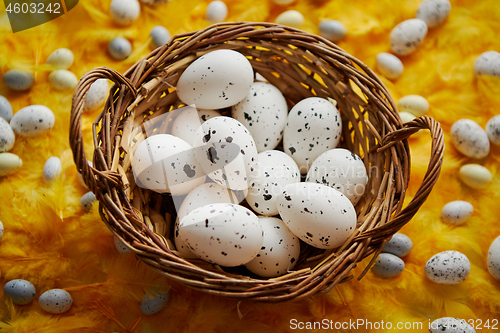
x=75, y=131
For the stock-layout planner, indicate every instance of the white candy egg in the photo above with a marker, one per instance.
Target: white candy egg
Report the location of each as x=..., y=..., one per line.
x=152, y=304
x=493, y=130
x=124, y=12
x=399, y=245
x=475, y=176
x=63, y=79
x=80, y=177
x=342, y=170
x=493, y=259
x=216, y=11
x=291, y=18
x=9, y=163
x=5, y=108
x=448, y=267
x=314, y=126
x=226, y=151
x=457, y=212
x=332, y=30
x=450, y=325
x=119, y=48
x=279, y=252
x=55, y=301
x=32, y=120
x=414, y=104
x=52, y=169
x=7, y=137
x=120, y=246
x=389, y=65
x=61, y=58
x=96, y=95
x=488, y=63
x=224, y=234
x=407, y=36
x=87, y=200
x=275, y=170
x=159, y=36
x=216, y=80
x=470, y=139
x=388, y=265
x=317, y=214
x=433, y=12
x=18, y=80
x=188, y=122
x=263, y=112
x=20, y=291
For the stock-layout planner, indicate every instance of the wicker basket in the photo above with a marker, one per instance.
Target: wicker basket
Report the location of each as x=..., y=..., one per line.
x=301, y=65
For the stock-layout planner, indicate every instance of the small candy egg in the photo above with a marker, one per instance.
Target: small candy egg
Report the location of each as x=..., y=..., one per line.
x=120, y=247
x=20, y=291
x=55, y=301
x=32, y=120
x=63, y=79
x=216, y=12
x=493, y=130
x=389, y=65
x=119, y=48
x=470, y=139
x=406, y=117
x=18, y=80
x=96, y=95
x=279, y=252
x=188, y=122
x=283, y=2
x=407, y=36
x=493, y=259
x=475, y=176
x=9, y=163
x=388, y=265
x=457, y=212
x=448, y=267
x=159, y=36
x=124, y=12
x=291, y=18
x=450, y=325
x=7, y=137
x=1, y=230
x=61, y=58
x=5, y=108
x=80, y=177
x=488, y=63
x=52, y=169
x=414, y=104
x=87, y=200
x=152, y=304
x=399, y=245
x=332, y=30
x=433, y=12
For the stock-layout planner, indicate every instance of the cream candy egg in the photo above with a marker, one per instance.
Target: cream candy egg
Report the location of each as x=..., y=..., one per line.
x=275, y=170
x=475, y=176
x=9, y=163
x=450, y=325
x=317, y=214
x=20, y=291
x=51, y=169
x=493, y=130
x=399, y=245
x=188, y=122
x=470, y=139
x=62, y=79
x=433, y=12
x=61, y=58
x=5, y=108
x=167, y=164
x=493, y=259
x=159, y=36
x=152, y=304
x=456, y=212
x=7, y=137
x=414, y=104
x=263, y=112
x=120, y=246
x=406, y=117
x=226, y=151
x=124, y=12
x=32, y=120
x=216, y=80
x=87, y=200
x=216, y=11
x=448, y=267
x=389, y=65
x=407, y=36
x=18, y=80
x=342, y=170
x=332, y=30
x=388, y=265
x=55, y=301
x=96, y=95
x=488, y=63
x=279, y=252
x=223, y=234
x=314, y=126
x=291, y=18
x=119, y=48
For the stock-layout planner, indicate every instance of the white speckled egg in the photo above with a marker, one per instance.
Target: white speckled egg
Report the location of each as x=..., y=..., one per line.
x=450, y=325
x=52, y=169
x=167, y=164
x=291, y=18
x=332, y=30
x=224, y=234
x=319, y=215
x=488, y=63
x=399, y=245
x=314, y=126
x=279, y=252
x=152, y=304
x=470, y=139
x=7, y=137
x=188, y=122
x=263, y=112
x=96, y=95
x=414, y=104
x=87, y=200
x=389, y=65
x=32, y=120
x=61, y=58
x=493, y=259
x=388, y=265
x=493, y=130
x=159, y=36
x=275, y=170
x=119, y=48
x=120, y=246
x=124, y=12
x=20, y=291
x=475, y=176
x=216, y=11
x=342, y=170
x=5, y=108
x=18, y=80
x=226, y=151
x=457, y=212
x=216, y=80
x=62, y=79
x=9, y=163
x=433, y=12
x=55, y=301
x=407, y=36
x=448, y=267
x=80, y=177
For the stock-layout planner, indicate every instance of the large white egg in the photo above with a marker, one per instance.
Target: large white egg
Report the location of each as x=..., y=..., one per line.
x=319, y=215
x=493, y=259
x=448, y=267
x=188, y=122
x=32, y=120
x=407, y=36
x=216, y=80
x=263, y=112
x=470, y=139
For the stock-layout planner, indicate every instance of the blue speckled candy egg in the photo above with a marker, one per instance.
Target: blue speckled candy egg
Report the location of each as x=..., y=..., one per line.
x=152, y=304
x=399, y=245
x=20, y=291
x=456, y=212
x=19, y=80
x=159, y=36
x=32, y=120
x=450, y=325
x=119, y=48
x=388, y=265
x=448, y=267
x=55, y=301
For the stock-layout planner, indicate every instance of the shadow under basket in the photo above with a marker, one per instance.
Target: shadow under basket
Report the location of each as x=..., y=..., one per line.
x=301, y=65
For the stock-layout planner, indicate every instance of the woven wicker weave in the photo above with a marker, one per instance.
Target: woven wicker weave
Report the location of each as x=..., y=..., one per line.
x=301, y=65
